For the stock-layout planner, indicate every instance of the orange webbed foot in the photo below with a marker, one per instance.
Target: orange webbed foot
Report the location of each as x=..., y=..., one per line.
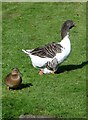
x=41, y=72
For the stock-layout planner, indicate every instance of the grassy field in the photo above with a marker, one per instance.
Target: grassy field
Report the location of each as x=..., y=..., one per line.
x=0, y=61
x=29, y=25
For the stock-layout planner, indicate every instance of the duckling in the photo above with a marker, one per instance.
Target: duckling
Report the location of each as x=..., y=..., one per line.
x=13, y=80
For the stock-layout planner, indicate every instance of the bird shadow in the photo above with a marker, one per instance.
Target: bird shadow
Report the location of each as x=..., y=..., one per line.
x=65, y=68
x=22, y=86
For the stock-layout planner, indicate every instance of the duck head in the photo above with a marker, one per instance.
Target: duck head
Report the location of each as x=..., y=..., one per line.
x=66, y=27
x=15, y=71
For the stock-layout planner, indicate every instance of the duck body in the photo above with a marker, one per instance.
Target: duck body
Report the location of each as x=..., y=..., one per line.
x=13, y=79
x=49, y=56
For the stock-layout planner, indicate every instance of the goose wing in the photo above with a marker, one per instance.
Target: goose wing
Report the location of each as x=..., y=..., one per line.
x=49, y=50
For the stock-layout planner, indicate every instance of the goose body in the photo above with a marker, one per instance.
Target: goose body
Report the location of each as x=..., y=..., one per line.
x=48, y=57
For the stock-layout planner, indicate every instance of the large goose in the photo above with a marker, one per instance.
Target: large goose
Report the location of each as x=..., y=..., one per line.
x=48, y=57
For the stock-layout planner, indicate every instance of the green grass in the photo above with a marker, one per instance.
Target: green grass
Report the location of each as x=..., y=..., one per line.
x=0, y=60
x=27, y=26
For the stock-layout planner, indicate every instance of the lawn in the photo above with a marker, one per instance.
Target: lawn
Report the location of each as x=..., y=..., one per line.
x=27, y=26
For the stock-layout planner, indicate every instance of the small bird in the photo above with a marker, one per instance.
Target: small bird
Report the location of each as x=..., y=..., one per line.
x=48, y=57
x=13, y=80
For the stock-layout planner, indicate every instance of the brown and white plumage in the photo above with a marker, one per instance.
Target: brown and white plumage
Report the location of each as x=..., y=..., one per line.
x=49, y=50
x=49, y=56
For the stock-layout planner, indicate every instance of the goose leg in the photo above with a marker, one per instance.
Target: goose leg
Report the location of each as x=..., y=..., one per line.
x=41, y=72
x=45, y=71
x=52, y=72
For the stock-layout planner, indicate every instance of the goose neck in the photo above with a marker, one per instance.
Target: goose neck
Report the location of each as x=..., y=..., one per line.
x=64, y=32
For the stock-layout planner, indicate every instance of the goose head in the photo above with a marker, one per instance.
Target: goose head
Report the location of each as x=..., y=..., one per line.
x=66, y=27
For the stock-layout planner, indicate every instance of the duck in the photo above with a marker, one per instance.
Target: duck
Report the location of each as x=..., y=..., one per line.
x=13, y=80
x=48, y=57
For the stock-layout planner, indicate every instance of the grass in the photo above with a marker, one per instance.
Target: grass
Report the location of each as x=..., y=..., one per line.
x=0, y=61
x=27, y=26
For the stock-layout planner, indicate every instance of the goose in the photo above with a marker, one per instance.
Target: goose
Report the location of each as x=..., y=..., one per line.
x=13, y=79
x=48, y=57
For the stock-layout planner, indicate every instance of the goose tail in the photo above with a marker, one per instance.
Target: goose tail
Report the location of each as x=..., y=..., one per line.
x=27, y=51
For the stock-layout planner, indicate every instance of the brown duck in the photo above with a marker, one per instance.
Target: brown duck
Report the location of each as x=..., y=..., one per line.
x=13, y=79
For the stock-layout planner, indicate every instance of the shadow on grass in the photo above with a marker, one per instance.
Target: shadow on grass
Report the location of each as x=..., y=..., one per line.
x=64, y=68
x=22, y=86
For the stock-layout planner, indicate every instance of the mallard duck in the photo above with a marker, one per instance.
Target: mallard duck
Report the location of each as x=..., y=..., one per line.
x=13, y=79
x=48, y=57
